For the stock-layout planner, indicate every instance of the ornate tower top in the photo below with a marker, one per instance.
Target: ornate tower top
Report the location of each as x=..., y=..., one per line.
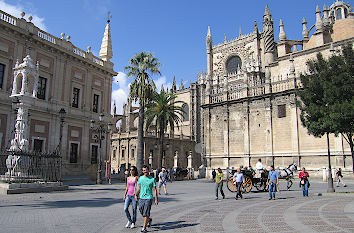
x=174, y=86
x=106, y=52
x=282, y=35
x=268, y=36
x=209, y=40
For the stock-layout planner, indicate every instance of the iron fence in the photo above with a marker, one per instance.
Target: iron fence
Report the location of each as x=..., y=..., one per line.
x=30, y=166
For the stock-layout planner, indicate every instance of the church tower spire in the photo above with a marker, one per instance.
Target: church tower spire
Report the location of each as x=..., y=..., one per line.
x=174, y=86
x=268, y=36
x=106, y=52
x=209, y=48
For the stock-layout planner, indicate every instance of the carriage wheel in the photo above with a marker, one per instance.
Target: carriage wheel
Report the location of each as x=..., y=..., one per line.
x=247, y=186
x=289, y=184
x=230, y=185
x=260, y=186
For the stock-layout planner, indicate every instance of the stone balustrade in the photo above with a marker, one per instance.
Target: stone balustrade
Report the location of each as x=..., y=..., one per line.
x=7, y=18
x=42, y=35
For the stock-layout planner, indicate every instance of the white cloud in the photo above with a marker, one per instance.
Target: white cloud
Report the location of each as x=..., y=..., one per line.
x=120, y=88
x=15, y=10
x=162, y=81
x=120, y=91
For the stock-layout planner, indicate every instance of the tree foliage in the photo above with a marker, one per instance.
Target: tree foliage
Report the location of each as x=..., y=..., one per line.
x=327, y=95
x=166, y=112
x=142, y=66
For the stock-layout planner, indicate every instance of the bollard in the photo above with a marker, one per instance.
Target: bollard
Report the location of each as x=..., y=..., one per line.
x=333, y=173
x=324, y=174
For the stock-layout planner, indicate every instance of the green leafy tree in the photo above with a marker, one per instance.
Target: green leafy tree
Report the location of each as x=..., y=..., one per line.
x=327, y=97
x=165, y=111
x=142, y=66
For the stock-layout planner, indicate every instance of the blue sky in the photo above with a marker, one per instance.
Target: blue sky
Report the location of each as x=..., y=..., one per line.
x=173, y=30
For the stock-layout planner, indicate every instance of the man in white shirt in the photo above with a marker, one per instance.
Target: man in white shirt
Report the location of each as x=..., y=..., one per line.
x=259, y=169
x=238, y=179
x=259, y=165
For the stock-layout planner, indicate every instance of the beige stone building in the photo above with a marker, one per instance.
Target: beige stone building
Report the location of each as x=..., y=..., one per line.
x=69, y=78
x=243, y=108
x=179, y=145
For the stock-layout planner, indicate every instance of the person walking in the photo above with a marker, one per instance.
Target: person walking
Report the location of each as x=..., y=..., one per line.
x=219, y=183
x=163, y=181
x=238, y=179
x=146, y=185
x=273, y=179
x=304, y=182
x=213, y=174
x=129, y=197
x=340, y=178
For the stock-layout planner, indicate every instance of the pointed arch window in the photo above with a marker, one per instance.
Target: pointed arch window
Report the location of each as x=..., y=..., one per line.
x=233, y=63
x=185, y=108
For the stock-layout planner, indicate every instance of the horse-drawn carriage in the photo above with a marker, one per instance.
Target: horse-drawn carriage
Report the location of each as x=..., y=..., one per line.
x=260, y=181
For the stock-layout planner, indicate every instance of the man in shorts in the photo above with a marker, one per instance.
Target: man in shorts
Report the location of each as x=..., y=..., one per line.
x=163, y=180
x=146, y=184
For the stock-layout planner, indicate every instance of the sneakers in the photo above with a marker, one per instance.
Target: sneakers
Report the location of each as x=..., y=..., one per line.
x=132, y=226
x=270, y=198
x=217, y=198
x=149, y=223
x=273, y=198
x=144, y=230
x=128, y=224
x=223, y=197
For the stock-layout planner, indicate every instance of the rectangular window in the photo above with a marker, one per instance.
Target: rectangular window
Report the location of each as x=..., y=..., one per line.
x=281, y=111
x=2, y=74
x=76, y=95
x=38, y=145
x=94, y=154
x=133, y=152
x=74, y=150
x=114, y=154
x=42, y=86
x=95, y=103
x=123, y=153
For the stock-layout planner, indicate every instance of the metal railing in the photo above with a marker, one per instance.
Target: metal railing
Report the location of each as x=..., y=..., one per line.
x=30, y=167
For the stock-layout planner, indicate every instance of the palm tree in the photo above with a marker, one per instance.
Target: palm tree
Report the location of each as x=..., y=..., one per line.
x=164, y=112
x=141, y=90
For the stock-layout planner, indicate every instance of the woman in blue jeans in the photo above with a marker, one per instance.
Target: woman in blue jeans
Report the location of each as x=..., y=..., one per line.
x=129, y=196
x=304, y=182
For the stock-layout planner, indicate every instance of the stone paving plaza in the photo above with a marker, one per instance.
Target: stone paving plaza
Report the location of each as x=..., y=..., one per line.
x=190, y=207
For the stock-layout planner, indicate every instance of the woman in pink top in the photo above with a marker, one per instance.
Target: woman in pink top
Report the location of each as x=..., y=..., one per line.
x=132, y=180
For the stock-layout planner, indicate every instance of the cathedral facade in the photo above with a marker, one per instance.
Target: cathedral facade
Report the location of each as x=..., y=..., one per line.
x=71, y=81
x=244, y=107
x=248, y=100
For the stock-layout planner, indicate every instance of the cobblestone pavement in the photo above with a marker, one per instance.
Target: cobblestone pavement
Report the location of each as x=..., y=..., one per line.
x=190, y=207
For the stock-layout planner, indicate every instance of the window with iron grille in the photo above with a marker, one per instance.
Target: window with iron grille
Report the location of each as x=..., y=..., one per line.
x=123, y=153
x=42, y=86
x=2, y=74
x=133, y=152
x=114, y=154
x=38, y=145
x=94, y=154
x=76, y=95
x=281, y=111
x=74, y=150
x=95, y=103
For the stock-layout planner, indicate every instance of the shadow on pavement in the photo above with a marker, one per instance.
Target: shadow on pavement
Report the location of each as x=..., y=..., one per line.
x=172, y=225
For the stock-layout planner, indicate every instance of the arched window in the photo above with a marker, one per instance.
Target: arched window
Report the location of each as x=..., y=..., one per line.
x=339, y=14
x=185, y=112
x=233, y=63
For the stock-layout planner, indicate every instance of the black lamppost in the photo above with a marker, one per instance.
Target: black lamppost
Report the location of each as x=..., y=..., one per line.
x=62, y=114
x=101, y=130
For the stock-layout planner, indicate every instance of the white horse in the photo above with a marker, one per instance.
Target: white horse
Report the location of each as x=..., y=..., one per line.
x=287, y=174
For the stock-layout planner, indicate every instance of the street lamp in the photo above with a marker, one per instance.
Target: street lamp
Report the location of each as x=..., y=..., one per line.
x=62, y=114
x=102, y=129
